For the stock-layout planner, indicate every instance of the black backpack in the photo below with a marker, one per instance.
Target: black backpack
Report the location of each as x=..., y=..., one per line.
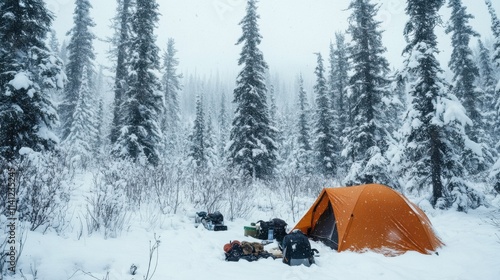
x=296, y=246
x=278, y=226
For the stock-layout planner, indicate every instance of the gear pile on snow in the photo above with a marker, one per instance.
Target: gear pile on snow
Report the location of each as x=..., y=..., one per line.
x=211, y=221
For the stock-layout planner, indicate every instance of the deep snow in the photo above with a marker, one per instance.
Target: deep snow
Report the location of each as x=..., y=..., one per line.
x=472, y=251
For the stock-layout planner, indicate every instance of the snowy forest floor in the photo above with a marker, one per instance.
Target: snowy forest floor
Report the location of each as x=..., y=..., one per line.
x=472, y=250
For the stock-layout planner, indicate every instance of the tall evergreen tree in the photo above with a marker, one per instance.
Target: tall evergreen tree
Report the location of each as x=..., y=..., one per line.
x=27, y=70
x=63, y=52
x=197, y=139
x=304, y=152
x=340, y=82
x=53, y=42
x=141, y=136
x=171, y=87
x=210, y=146
x=122, y=40
x=252, y=147
x=333, y=96
x=80, y=55
x=83, y=133
x=495, y=27
x=487, y=82
x=324, y=138
x=464, y=78
x=367, y=139
x=435, y=121
x=223, y=121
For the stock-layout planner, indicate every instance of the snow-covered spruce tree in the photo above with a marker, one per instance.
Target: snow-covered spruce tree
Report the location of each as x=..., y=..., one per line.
x=324, y=145
x=83, y=131
x=367, y=139
x=341, y=82
x=53, y=42
x=342, y=111
x=99, y=119
x=495, y=27
x=27, y=70
x=465, y=73
x=252, y=148
x=80, y=55
x=210, y=146
x=121, y=41
x=303, y=154
x=171, y=87
x=434, y=126
x=487, y=82
x=223, y=122
x=333, y=93
x=63, y=52
x=197, y=153
x=140, y=136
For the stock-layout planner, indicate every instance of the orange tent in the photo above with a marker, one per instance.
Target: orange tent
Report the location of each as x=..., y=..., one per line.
x=373, y=217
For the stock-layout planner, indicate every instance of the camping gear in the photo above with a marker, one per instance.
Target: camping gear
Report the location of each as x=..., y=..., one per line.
x=369, y=217
x=250, y=251
x=211, y=221
x=297, y=249
x=251, y=230
x=273, y=229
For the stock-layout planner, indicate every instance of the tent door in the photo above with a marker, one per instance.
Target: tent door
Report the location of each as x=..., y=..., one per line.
x=325, y=229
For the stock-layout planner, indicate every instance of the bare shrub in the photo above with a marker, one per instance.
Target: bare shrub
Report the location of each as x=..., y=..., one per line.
x=166, y=183
x=44, y=185
x=207, y=191
x=239, y=194
x=106, y=204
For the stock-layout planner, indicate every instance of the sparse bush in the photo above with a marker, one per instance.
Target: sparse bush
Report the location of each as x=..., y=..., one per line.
x=165, y=183
x=207, y=190
x=239, y=195
x=44, y=184
x=106, y=204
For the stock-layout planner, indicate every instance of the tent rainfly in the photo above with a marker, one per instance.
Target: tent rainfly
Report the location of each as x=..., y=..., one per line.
x=369, y=217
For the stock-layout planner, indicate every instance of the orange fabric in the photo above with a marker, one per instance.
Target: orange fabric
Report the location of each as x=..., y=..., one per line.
x=374, y=217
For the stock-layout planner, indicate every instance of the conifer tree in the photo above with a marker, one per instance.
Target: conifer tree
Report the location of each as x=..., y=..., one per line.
x=198, y=137
x=435, y=122
x=63, y=52
x=210, y=146
x=53, y=42
x=304, y=152
x=464, y=78
x=324, y=138
x=340, y=77
x=122, y=40
x=487, y=82
x=367, y=139
x=171, y=87
x=223, y=121
x=83, y=133
x=80, y=55
x=141, y=136
x=252, y=148
x=28, y=69
x=495, y=27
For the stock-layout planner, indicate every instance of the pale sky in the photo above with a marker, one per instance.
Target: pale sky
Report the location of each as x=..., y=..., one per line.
x=206, y=31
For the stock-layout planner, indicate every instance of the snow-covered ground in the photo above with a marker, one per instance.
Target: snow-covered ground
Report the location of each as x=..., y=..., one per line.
x=472, y=251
